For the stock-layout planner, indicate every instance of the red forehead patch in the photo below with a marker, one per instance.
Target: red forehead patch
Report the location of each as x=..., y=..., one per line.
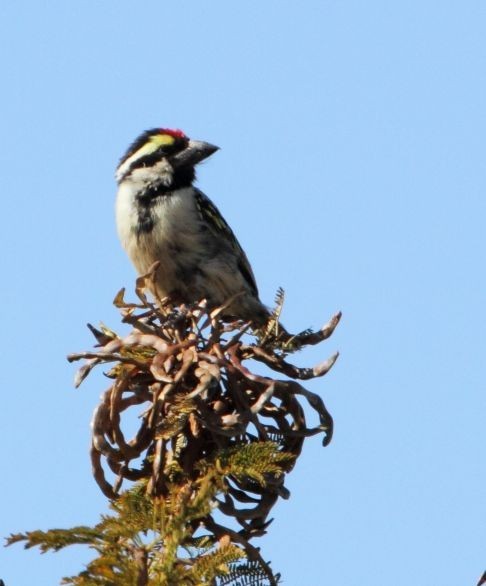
x=175, y=133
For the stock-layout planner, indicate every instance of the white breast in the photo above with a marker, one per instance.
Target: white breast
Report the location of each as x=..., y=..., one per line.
x=176, y=224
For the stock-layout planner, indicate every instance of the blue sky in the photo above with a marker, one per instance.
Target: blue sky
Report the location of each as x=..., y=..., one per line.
x=352, y=170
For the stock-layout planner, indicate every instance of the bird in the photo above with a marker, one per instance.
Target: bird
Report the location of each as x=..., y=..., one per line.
x=162, y=217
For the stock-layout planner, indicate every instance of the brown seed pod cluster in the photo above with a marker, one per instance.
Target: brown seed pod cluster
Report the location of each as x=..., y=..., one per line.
x=186, y=378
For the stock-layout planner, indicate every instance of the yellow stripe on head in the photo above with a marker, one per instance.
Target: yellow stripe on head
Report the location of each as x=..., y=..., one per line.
x=149, y=143
x=154, y=142
x=162, y=140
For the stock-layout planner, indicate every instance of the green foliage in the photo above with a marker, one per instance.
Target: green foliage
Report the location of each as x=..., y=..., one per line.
x=143, y=540
x=255, y=461
x=245, y=574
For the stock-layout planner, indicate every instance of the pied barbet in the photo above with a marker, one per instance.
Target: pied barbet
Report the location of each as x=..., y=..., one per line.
x=161, y=216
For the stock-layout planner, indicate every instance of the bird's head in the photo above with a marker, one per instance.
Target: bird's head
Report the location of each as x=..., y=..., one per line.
x=166, y=154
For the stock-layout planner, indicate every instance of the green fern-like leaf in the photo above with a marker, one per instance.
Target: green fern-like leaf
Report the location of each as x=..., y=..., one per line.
x=217, y=563
x=56, y=539
x=256, y=461
x=247, y=573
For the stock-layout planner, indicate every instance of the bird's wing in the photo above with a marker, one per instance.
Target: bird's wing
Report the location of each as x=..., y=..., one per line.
x=220, y=227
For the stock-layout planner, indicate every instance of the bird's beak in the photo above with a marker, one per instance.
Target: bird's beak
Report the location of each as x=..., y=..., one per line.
x=195, y=152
